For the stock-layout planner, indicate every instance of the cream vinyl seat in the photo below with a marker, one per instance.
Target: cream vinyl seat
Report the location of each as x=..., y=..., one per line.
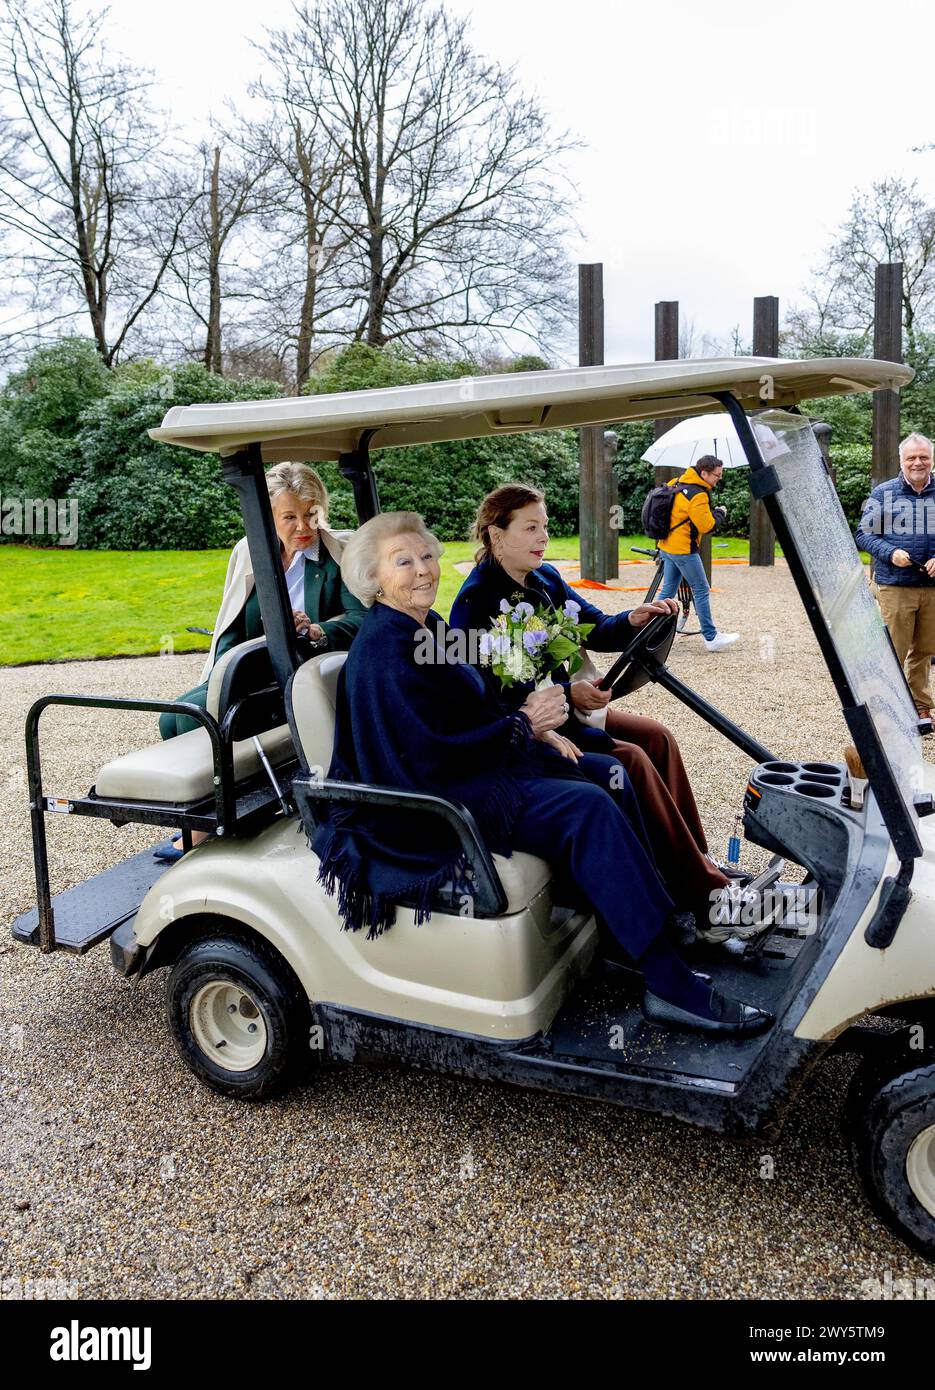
x=313, y=698
x=180, y=770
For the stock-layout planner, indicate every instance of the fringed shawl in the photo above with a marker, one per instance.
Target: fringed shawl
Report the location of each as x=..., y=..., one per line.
x=409, y=718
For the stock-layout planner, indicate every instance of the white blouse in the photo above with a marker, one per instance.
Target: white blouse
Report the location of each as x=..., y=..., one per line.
x=295, y=575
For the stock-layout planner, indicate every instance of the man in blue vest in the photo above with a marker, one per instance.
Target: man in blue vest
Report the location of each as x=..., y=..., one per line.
x=897, y=528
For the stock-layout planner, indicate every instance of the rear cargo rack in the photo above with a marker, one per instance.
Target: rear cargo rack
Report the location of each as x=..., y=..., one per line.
x=86, y=914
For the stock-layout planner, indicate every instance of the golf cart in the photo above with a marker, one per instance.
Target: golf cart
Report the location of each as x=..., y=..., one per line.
x=263, y=984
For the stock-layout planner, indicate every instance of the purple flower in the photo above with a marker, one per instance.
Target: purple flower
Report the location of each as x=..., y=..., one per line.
x=486, y=644
x=504, y=606
x=571, y=609
x=532, y=640
x=523, y=610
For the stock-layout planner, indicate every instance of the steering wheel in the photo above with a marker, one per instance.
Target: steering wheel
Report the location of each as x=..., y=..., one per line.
x=654, y=639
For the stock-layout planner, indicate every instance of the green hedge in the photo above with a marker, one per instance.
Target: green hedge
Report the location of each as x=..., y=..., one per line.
x=40, y=415
x=445, y=482
x=68, y=427
x=136, y=494
x=852, y=470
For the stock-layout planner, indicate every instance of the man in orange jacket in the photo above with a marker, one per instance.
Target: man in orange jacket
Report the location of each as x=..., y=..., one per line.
x=692, y=518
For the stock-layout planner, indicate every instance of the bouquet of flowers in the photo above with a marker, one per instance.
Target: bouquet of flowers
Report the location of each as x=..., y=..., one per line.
x=528, y=644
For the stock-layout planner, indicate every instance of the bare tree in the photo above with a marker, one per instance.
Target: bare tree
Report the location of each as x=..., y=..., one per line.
x=695, y=344
x=457, y=213
x=229, y=191
x=84, y=201
x=891, y=222
x=305, y=300
x=738, y=345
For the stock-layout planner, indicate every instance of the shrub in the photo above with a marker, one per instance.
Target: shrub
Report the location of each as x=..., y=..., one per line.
x=134, y=493
x=852, y=465
x=446, y=482
x=40, y=409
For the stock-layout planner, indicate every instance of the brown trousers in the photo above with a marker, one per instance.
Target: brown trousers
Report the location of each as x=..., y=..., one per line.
x=909, y=613
x=651, y=759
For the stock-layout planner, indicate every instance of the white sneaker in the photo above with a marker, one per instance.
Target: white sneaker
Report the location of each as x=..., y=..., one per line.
x=720, y=640
x=744, y=912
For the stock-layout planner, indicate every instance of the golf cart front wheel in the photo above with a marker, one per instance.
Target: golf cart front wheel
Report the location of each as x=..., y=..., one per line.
x=238, y=1016
x=894, y=1152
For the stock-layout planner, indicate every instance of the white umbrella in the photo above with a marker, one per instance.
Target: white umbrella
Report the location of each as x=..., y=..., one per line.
x=685, y=443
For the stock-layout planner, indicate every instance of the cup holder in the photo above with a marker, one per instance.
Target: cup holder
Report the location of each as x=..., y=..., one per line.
x=828, y=769
x=781, y=767
x=776, y=779
x=821, y=779
x=816, y=789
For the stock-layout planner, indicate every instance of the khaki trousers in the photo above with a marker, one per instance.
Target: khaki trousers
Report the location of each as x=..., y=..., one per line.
x=909, y=613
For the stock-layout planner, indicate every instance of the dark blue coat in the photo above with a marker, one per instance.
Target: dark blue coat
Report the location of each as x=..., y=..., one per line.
x=896, y=517
x=478, y=604
x=421, y=725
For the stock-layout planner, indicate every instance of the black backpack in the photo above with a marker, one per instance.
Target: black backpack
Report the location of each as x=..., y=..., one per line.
x=656, y=516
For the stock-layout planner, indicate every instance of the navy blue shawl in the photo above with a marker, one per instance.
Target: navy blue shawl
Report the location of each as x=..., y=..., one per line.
x=478, y=603
x=430, y=726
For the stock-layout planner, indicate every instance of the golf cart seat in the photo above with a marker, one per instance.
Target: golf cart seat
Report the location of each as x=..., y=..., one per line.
x=312, y=700
x=181, y=769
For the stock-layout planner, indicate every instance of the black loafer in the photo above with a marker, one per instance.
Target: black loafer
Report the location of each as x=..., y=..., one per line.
x=735, y=1019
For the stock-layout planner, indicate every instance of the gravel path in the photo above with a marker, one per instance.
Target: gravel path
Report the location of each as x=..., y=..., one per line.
x=123, y=1177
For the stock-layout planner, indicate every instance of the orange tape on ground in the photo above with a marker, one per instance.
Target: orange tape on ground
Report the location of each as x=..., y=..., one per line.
x=619, y=588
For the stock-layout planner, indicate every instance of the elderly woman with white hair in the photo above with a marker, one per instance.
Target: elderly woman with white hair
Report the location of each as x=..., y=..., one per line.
x=409, y=716
x=323, y=608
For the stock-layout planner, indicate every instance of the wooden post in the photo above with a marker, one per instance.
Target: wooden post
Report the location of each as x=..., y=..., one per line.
x=765, y=344
x=887, y=346
x=667, y=350
x=596, y=475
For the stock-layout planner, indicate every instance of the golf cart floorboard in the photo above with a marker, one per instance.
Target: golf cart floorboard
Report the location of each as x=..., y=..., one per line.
x=602, y=1023
x=89, y=912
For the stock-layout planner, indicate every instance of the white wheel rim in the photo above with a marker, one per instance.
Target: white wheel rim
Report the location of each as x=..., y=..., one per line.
x=920, y=1168
x=228, y=1026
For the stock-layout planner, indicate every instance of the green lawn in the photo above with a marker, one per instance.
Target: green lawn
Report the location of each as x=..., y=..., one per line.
x=66, y=604
x=57, y=604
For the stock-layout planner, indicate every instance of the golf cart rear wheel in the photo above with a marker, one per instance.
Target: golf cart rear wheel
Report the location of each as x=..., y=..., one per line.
x=894, y=1153
x=238, y=1016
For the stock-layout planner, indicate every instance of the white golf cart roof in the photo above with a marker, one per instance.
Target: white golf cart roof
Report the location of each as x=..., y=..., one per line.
x=311, y=428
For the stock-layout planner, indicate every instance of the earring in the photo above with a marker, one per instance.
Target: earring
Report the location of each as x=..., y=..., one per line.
x=379, y=593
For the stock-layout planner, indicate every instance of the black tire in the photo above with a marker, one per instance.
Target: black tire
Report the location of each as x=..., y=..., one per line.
x=900, y=1113
x=894, y=1056
x=217, y=967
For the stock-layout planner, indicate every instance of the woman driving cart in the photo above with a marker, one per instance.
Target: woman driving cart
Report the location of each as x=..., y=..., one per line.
x=512, y=530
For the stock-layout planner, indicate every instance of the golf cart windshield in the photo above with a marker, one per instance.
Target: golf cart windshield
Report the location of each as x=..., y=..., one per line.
x=813, y=513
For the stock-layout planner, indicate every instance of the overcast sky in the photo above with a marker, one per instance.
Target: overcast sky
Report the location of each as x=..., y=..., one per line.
x=723, y=141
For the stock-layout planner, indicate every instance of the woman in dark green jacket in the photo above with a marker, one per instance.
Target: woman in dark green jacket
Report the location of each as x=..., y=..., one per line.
x=311, y=557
